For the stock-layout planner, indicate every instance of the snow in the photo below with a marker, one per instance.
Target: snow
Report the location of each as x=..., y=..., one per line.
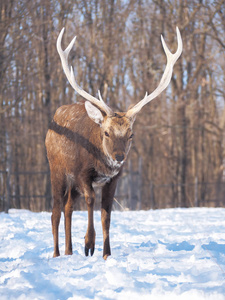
x=161, y=254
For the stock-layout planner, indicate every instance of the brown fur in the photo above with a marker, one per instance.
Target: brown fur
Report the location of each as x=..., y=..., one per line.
x=83, y=154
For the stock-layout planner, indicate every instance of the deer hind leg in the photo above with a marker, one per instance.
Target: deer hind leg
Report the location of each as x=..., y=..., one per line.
x=68, y=210
x=90, y=234
x=56, y=214
x=57, y=192
x=71, y=198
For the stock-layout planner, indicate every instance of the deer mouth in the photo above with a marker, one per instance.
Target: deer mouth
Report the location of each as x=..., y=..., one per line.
x=115, y=163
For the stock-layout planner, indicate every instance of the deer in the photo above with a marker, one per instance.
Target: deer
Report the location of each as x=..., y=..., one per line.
x=87, y=145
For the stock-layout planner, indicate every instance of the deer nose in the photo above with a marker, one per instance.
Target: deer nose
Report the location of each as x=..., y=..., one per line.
x=119, y=157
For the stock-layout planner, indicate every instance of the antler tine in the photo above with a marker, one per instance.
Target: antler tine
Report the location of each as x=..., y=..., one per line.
x=71, y=78
x=165, y=80
x=100, y=96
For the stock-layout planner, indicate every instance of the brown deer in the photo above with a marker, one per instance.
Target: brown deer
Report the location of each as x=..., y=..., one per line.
x=87, y=144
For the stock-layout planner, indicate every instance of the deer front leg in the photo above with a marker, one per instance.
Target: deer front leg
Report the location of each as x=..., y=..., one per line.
x=90, y=234
x=106, y=216
x=108, y=192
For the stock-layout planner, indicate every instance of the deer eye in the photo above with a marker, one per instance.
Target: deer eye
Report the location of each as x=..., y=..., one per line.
x=106, y=134
x=131, y=136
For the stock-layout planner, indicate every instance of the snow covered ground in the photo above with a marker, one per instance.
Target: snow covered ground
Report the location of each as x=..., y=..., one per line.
x=161, y=254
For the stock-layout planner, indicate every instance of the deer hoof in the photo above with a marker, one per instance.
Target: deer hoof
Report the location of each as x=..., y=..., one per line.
x=86, y=250
x=106, y=256
x=56, y=254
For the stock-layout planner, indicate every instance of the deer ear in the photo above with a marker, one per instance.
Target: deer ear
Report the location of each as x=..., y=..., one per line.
x=94, y=113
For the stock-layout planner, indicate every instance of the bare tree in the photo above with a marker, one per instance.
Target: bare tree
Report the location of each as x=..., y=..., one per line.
x=179, y=139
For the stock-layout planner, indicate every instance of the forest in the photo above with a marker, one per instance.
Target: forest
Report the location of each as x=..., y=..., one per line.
x=177, y=155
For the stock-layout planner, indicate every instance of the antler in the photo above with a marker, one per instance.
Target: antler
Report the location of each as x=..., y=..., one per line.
x=70, y=76
x=171, y=59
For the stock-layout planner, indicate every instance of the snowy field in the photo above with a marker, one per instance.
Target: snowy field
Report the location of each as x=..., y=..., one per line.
x=162, y=254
